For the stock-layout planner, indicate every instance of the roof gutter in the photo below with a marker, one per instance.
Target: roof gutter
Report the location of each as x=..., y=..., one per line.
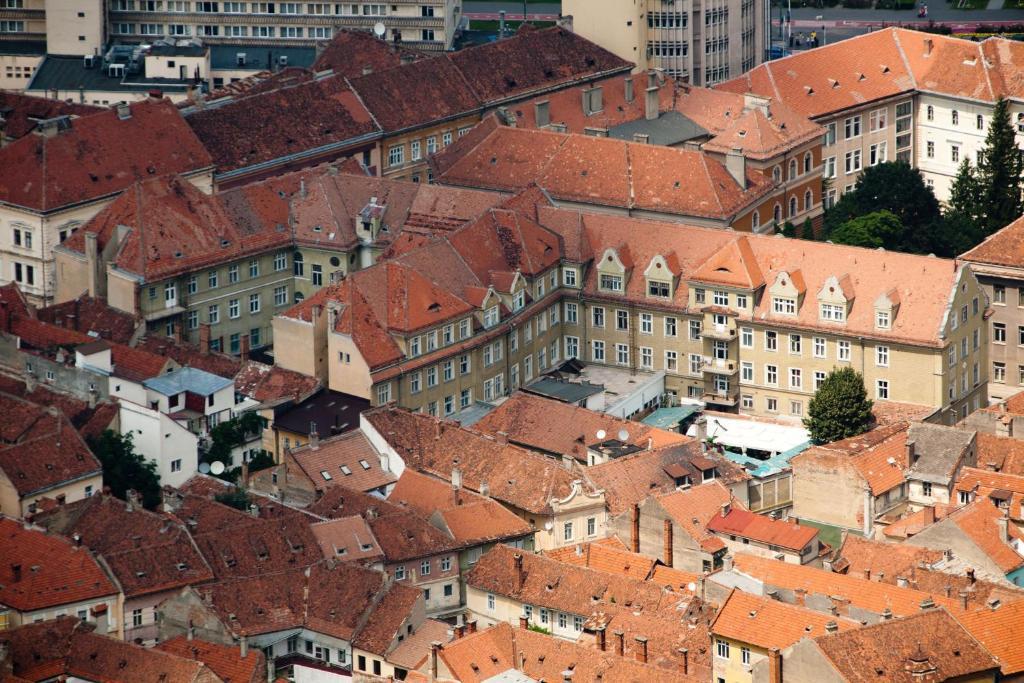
x=298, y=156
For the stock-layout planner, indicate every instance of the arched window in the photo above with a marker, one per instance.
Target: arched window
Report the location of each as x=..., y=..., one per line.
x=300, y=266
x=808, y=200
x=777, y=174
x=755, y=220
x=778, y=213
x=930, y=112
x=807, y=163
x=955, y=115
x=792, y=206
x=792, y=169
x=981, y=122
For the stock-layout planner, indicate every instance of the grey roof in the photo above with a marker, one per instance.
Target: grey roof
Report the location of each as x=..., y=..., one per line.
x=187, y=379
x=69, y=73
x=467, y=417
x=259, y=57
x=670, y=128
x=23, y=47
x=177, y=50
x=670, y=418
x=938, y=451
x=563, y=390
x=333, y=412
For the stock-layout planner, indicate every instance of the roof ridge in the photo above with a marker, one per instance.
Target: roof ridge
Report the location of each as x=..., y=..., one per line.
x=903, y=56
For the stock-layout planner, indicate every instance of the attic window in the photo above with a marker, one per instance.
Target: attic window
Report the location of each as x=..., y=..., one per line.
x=178, y=254
x=317, y=228
x=885, y=69
x=224, y=243
x=326, y=475
x=340, y=551
x=365, y=547
x=365, y=465
x=182, y=566
x=345, y=470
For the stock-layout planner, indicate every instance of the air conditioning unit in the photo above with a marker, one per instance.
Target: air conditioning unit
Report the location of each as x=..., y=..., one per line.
x=89, y=61
x=240, y=58
x=283, y=60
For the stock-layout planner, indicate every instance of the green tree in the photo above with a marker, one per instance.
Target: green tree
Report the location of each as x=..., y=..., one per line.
x=235, y=497
x=895, y=187
x=876, y=229
x=807, y=230
x=788, y=229
x=999, y=172
x=227, y=436
x=965, y=192
x=124, y=469
x=840, y=408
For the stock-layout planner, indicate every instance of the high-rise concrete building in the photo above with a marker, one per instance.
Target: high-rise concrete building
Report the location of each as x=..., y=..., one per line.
x=703, y=42
x=82, y=27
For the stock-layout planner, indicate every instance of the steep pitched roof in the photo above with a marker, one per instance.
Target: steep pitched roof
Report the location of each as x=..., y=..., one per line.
x=606, y=557
x=100, y=155
x=52, y=570
x=21, y=112
x=979, y=521
x=768, y=623
x=777, y=532
x=224, y=660
x=350, y=53
x=89, y=314
x=348, y=460
x=998, y=631
x=692, y=509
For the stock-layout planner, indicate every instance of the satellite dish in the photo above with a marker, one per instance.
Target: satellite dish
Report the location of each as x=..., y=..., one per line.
x=378, y=29
x=692, y=587
x=601, y=434
x=204, y=468
x=623, y=435
x=217, y=467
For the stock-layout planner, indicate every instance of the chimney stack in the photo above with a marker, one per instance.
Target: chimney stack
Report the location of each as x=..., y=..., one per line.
x=204, y=337
x=641, y=649
x=434, y=647
x=651, y=103
x=831, y=627
x=471, y=626
x=726, y=508
x=736, y=165
x=461, y=629
x=929, y=515
x=685, y=654
x=314, y=437
x=243, y=645
x=928, y=47
x=970, y=575
x=774, y=666
x=1003, y=524
x=635, y=540
x=602, y=638
x=245, y=348
x=886, y=614
x=964, y=597
x=667, y=538
x=621, y=645
x=518, y=566
x=92, y=261
x=524, y=622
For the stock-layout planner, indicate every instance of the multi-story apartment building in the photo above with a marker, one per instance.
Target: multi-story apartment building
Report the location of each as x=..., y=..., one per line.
x=750, y=322
x=50, y=186
x=702, y=43
x=999, y=265
x=215, y=269
x=83, y=28
x=896, y=95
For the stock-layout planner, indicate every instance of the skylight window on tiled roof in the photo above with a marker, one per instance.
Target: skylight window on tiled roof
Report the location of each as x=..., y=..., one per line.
x=345, y=470
x=364, y=464
x=326, y=475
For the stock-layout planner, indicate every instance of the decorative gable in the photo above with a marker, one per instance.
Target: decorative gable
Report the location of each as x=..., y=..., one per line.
x=886, y=308
x=613, y=269
x=660, y=276
x=835, y=299
x=787, y=292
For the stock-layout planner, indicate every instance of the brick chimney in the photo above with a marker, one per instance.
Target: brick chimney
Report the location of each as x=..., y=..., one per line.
x=641, y=649
x=666, y=535
x=245, y=348
x=774, y=666
x=726, y=508
x=434, y=647
x=517, y=561
x=684, y=654
x=204, y=337
x=602, y=638
x=471, y=626
x=621, y=645
x=524, y=622
x=635, y=539
x=736, y=165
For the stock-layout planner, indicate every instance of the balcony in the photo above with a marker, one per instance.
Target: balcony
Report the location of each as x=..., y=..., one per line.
x=719, y=366
x=722, y=398
x=720, y=332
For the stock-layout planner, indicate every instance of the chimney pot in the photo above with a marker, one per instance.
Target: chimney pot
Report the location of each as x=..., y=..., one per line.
x=667, y=542
x=774, y=666
x=621, y=645
x=635, y=540
x=641, y=652
x=524, y=622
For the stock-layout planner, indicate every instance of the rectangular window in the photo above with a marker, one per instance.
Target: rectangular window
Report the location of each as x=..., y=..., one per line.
x=597, y=316
x=771, y=375
x=254, y=303
x=597, y=351
x=281, y=295
x=670, y=327
x=646, y=323
x=671, y=361
x=796, y=380
x=843, y=350
x=819, y=379
x=233, y=309
x=784, y=305
x=621, y=320
x=819, y=347
x=746, y=371
x=999, y=372
x=747, y=338
x=213, y=314
x=882, y=389
x=999, y=333
x=882, y=356
x=795, y=344
x=694, y=330
x=851, y=127
x=611, y=283
x=721, y=648
x=771, y=340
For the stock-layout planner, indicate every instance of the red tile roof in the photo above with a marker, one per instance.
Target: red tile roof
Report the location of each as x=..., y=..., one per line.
x=147, y=552
x=269, y=126
x=998, y=631
x=347, y=460
x=768, y=623
x=469, y=518
x=88, y=314
x=979, y=522
x=224, y=660
x=348, y=539
x=100, y=155
x=190, y=355
x=606, y=558
x=272, y=384
x=746, y=524
x=53, y=571
x=929, y=644
x=694, y=508
x=350, y=53
x=21, y=113
x=389, y=616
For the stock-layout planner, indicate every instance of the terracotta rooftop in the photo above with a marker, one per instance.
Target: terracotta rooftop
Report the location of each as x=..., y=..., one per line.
x=559, y=428
x=1000, y=452
x=225, y=661
x=347, y=460
x=599, y=171
x=606, y=557
x=98, y=156
x=632, y=478
x=49, y=570
x=438, y=447
x=401, y=534
x=844, y=590
x=268, y=126
x=901, y=650
x=486, y=654
x=389, y=616
x=146, y=551
x=768, y=623
x=348, y=539
x=998, y=631
x=694, y=508
x=21, y=113
x=41, y=449
x=273, y=384
x=92, y=315
x=979, y=521
x=763, y=529
x=190, y=355
x=1006, y=488
x=352, y=53
x=469, y=518
x=413, y=651
x=914, y=523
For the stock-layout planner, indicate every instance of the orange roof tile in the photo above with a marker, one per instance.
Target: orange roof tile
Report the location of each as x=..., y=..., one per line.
x=348, y=539
x=348, y=460
x=224, y=660
x=746, y=524
x=768, y=623
x=693, y=508
x=978, y=521
x=603, y=558
x=998, y=630
x=883, y=465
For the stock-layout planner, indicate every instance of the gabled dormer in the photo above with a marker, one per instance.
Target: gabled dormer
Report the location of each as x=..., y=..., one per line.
x=661, y=276
x=613, y=269
x=835, y=299
x=369, y=220
x=786, y=293
x=490, y=308
x=886, y=308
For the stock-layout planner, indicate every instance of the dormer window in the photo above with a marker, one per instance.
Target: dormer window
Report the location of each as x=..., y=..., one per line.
x=784, y=305
x=569, y=277
x=519, y=300
x=720, y=297
x=833, y=313
x=882, y=320
x=699, y=295
x=539, y=288
x=611, y=283
x=659, y=289
x=464, y=329
x=491, y=317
